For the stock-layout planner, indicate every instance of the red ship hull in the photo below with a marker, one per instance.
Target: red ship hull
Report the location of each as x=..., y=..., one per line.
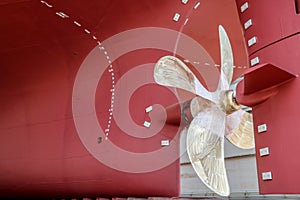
x=45, y=150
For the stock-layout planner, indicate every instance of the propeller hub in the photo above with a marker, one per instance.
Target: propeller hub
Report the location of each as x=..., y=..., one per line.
x=229, y=103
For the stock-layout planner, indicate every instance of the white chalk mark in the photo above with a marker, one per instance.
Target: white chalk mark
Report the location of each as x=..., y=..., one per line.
x=197, y=5
x=77, y=23
x=47, y=4
x=62, y=15
x=186, y=21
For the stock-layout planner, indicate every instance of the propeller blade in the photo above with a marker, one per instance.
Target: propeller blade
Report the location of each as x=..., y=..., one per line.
x=205, y=148
x=205, y=134
x=226, y=60
x=239, y=129
x=199, y=104
x=170, y=71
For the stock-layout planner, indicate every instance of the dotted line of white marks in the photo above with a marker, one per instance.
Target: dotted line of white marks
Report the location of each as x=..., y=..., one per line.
x=110, y=69
x=177, y=15
x=176, y=19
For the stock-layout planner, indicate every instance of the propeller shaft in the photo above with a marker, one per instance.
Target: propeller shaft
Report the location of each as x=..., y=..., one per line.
x=179, y=113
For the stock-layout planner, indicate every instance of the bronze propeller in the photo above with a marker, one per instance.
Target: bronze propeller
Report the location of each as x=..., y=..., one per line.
x=215, y=115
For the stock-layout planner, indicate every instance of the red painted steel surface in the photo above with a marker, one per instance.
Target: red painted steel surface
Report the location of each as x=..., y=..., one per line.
x=280, y=113
x=256, y=87
x=297, y=6
x=279, y=76
x=276, y=26
x=271, y=21
x=41, y=154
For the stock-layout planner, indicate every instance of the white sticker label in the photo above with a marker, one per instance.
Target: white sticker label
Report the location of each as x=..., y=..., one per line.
x=184, y=1
x=147, y=124
x=248, y=24
x=148, y=109
x=252, y=41
x=267, y=176
x=254, y=61
x=176, y=17
x=165, y=143
x=264, y=151
x=262, y=128
x=244, y=7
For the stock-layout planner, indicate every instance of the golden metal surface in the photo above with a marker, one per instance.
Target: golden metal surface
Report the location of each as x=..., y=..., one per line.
x=209, y=167
x=226, y=60
x=240, y=129
x=198, y=104
x=170, y=71
x=216, y=114
x=228, y=103
x=205, y=147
